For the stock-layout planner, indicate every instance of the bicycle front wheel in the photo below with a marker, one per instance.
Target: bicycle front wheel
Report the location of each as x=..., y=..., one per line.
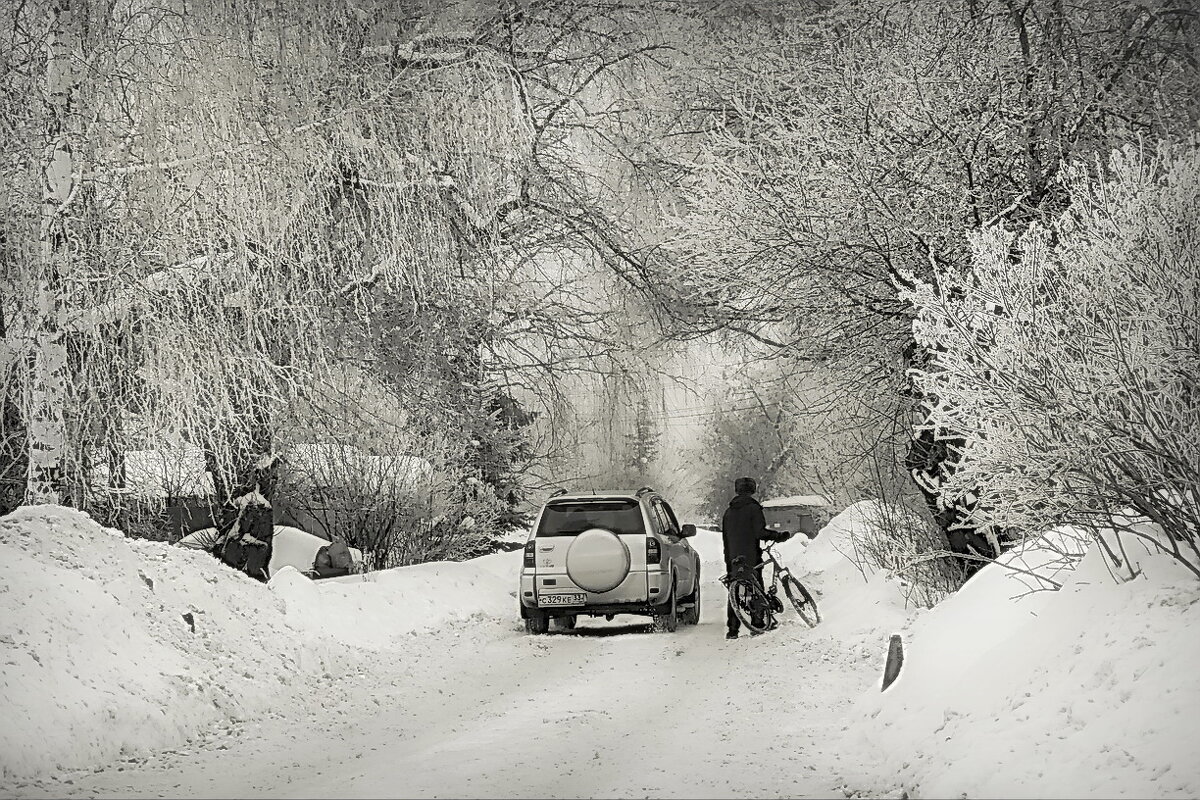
x=749, y=602
x=802, y=601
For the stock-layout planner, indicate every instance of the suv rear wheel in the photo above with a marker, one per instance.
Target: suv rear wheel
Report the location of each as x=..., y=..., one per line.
x=537, y=623
x=691, y=615
x=668, y=620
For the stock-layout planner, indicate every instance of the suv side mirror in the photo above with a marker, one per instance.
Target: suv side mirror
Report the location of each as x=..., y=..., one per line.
x=687, y=530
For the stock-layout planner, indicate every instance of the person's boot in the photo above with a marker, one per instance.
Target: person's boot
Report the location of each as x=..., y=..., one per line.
x=731, y=634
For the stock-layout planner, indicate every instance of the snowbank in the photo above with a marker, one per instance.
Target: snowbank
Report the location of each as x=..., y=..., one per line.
x=376, y=610
x=707, y=544
x=116, y=647
x=113, y=646
x=1090, y=691
x=857, y=602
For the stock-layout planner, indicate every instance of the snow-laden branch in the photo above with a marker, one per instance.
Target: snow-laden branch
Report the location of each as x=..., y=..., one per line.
x=410, y=54
x=432, y=50
x=936, y=554
x=146, y=289
x=449, y=187
x=363, y=282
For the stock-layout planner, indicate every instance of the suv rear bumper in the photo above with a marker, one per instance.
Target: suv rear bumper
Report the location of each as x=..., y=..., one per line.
x=595, y=610
x=639, y=590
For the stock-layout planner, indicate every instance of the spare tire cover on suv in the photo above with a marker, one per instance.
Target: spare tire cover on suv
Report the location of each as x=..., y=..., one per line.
x=597, y=560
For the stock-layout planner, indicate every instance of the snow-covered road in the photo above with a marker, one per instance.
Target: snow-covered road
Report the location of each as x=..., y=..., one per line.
x=483, y=710
x=133, y=669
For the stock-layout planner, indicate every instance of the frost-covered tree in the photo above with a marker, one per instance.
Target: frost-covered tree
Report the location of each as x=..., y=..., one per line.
x=838, y=147
x=642, y=443
x=266, y=199
x=1067, y=359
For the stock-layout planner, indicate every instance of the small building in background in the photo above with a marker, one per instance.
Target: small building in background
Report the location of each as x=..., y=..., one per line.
x=801, y=513
x=161, y=494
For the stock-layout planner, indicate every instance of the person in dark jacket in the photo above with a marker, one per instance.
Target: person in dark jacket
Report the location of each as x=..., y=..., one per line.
x=743, y=529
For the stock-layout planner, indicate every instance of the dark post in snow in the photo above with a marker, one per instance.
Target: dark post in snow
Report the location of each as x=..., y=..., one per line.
x=895, y=660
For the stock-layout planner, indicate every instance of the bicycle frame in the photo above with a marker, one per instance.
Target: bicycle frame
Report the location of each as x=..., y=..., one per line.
x=779, y=570
x=799, y=596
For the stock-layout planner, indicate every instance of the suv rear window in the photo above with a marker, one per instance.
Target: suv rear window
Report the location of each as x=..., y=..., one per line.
x=571, y=517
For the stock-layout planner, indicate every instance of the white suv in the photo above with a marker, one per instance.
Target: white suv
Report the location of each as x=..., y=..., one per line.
x=603, y=553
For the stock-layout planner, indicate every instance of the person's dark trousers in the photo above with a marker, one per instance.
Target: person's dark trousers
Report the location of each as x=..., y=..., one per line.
x=733, y=624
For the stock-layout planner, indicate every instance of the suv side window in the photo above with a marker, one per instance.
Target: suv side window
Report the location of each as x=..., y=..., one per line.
x=656, y=520
x=671, y=516
x=666, y=519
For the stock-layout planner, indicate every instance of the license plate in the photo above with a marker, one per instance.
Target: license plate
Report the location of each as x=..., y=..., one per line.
x=562, y=599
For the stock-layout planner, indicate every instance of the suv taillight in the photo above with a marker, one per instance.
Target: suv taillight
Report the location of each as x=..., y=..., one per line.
x=653, y=551
x=529, y=554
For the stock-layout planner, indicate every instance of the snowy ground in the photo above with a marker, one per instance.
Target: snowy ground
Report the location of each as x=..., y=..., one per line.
x=421, y=682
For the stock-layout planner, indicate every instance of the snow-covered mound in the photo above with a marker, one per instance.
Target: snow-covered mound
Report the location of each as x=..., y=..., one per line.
x=856, y=600
x=375, y=610
x=1089, y=691
x=115, y=646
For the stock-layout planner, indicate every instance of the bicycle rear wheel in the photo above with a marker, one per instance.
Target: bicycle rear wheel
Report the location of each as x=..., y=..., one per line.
x=748, y=601
x=802, y=601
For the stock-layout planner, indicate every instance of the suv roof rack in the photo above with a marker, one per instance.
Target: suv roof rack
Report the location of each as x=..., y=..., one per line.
x=643, y=490
x=557, y=492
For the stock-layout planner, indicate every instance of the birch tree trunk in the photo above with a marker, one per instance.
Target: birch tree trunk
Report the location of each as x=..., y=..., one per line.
x=48, y=381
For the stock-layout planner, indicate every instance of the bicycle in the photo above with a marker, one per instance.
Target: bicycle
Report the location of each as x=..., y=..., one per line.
x=750, y=599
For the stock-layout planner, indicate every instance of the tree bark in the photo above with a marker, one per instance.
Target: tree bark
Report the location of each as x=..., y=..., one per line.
x=48, y=381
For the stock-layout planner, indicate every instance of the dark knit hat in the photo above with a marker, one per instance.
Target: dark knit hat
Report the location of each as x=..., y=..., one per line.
x=745, y=486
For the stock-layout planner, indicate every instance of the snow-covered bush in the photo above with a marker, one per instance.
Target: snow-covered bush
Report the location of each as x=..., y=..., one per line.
x=895, y=537
x=1069, y=358
x=400, y=509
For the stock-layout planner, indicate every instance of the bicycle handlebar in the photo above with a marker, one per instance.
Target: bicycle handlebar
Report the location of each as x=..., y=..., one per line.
x=740, y=561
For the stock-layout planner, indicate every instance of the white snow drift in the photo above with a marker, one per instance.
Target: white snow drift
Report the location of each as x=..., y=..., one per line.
x=101, y=661
x=1089, y=691
x=115, y=647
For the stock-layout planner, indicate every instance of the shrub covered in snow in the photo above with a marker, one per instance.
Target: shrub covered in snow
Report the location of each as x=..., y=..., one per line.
x=893, y=536
x=401, y=509
x=1069, y=359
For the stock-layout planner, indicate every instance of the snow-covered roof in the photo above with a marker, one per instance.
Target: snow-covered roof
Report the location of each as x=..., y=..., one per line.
x=162, y=472
x=328, y=464
x=180, y=471
x=796, y=500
